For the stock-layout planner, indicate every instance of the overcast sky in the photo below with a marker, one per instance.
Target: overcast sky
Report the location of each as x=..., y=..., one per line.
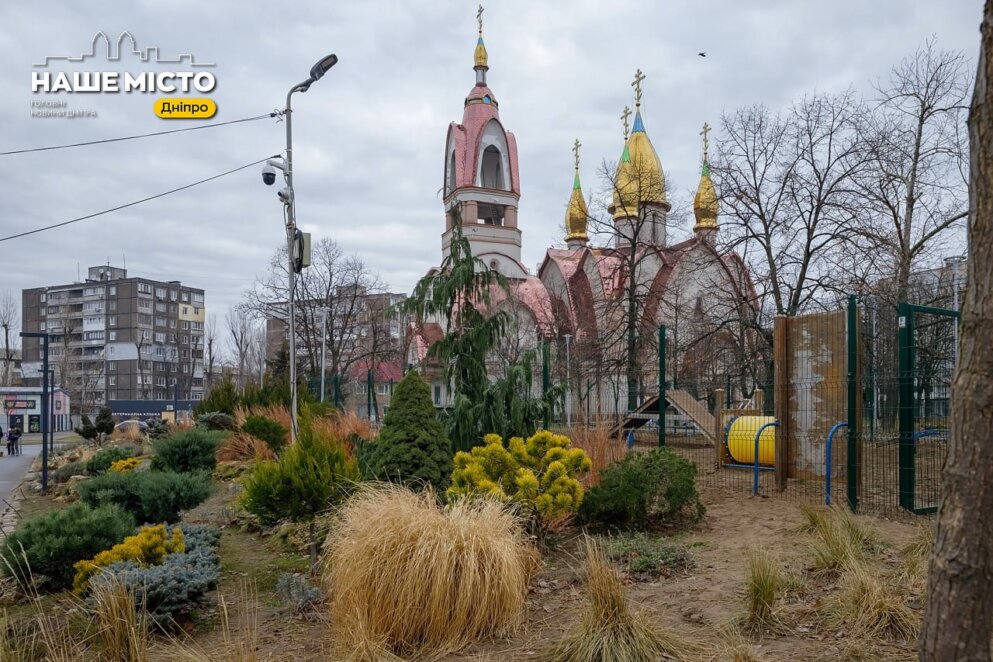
x=369, y=138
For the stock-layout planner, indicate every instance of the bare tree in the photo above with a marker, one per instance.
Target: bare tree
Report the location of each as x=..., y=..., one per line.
x=8, y=324
x=335, y=283
x=787, y=189
x=240, y=327
x=211, y=350
x=915, y=182
x=958, y=617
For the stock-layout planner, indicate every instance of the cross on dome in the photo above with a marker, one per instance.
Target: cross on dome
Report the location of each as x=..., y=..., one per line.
x=638, y=77
x=624, y=118
x=575, y=151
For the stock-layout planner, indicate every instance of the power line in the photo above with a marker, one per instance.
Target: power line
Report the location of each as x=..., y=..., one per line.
x=143, y=135
x=136, y=202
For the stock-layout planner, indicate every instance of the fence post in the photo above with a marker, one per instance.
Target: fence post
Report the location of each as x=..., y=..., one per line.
x=662, y=401
x=905, y=324
x=854, y=477
x=781, y=397
x=718, y=428
x=545, y=383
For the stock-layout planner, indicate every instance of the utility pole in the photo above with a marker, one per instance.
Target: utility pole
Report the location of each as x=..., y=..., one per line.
x=568, y=382
x=324, y=348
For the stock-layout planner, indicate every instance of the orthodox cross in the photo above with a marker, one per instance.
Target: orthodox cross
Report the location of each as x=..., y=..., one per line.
x=638, y=77
x=706, y=141
x=479, y=19
x=624, y=118
x=575, y=151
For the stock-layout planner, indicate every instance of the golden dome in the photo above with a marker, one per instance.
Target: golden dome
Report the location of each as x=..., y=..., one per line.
x=480, y=54
x=576, y=214
x=640, y=178
x=705, y=203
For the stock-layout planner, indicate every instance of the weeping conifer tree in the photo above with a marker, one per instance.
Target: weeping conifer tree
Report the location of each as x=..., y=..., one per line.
x=459, y=294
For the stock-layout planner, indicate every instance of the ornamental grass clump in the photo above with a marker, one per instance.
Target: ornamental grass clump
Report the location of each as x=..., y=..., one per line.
x=610, y=631
x=414, y=577
x=541, y=474
x=148, y=547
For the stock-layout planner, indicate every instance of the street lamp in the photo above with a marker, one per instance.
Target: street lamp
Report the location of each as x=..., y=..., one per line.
x=293, y=238
x=44, y=405
x=324, y=347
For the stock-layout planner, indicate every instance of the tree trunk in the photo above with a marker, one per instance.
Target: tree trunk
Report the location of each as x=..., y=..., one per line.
x=313, y=548
x=958, y=618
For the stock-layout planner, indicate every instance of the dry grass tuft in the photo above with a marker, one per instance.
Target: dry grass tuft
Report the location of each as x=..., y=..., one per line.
x=609, y=630
x=239, y=446
x=277, y=413
x=601, y=447
x=871, y=606
x=840, y=537
x=764, y=581
x=411, y=576
x=735, y=647
x=916, y=553
x=122, y=622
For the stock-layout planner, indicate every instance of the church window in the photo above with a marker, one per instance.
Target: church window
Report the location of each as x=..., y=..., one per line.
x=451, y=172
x=492, y=171
x=486, y=99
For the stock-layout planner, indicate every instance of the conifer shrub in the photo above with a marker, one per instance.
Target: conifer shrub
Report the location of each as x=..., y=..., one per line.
x=187, y=451
x=416, y=578
x=216, y=420
x=147, y=547
x=268, y=430
x=642, y=490
x=541, y=474
x=157, y=428
x=68, y=470
x=412, y=447
x=50, y=544
x=149, y=496
x=103, y=458
x=125, y=465
x=179, y=583
x=307, y=479
x=105, y=422
x=87, y=430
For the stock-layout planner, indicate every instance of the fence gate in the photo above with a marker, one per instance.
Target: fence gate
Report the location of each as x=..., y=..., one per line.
x=927, y=347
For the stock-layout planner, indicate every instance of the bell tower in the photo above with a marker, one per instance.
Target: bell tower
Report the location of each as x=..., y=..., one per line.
x=481, y=180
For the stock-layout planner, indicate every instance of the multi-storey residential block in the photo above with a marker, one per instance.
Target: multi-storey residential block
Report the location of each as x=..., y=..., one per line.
x=117, y=338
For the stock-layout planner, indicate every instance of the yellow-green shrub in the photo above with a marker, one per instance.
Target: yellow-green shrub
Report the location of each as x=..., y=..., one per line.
x=540, y=473
x=125, y=465
x=148, y=547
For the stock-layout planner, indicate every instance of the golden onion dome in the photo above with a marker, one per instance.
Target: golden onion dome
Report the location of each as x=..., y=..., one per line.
x=625, y=187
x=645, y=164
x=576, y=215
x=479, y=56
x=705, y=202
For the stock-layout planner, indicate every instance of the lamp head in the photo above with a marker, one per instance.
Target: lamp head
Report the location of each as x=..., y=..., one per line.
x=322, y=66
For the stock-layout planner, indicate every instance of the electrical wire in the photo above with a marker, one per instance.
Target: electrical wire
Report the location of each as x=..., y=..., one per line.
x=274, y=113
x=136, y=202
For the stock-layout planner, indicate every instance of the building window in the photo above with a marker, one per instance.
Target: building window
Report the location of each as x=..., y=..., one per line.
x=112, y=320
x=41, y=325
x=113, y=290
x=53, y=310
x=197, y=297
x=383, y=389
x=172, y=295
x=186, y=296
x=41, y=298
x=160, y=321
x=185, y=310
x=160, y=337
x=112, y=306
x=437, y=396
x=112, y=380
x=146, y=334
x=172, y=324
x=144, y=288
x=185, y=326
x=186, y=369
x=160, y=307
x=113, y=335
x=160, y=292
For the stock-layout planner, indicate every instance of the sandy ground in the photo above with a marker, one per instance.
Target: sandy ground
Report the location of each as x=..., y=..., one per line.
x=699, y=604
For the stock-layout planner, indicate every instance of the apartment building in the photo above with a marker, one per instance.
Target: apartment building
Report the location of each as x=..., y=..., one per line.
x=115, y=337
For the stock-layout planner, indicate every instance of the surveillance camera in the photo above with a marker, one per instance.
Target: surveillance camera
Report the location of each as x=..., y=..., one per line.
x=285, y=195
x=269, y=175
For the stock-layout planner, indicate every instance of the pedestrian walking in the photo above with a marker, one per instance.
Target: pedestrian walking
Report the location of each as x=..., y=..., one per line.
x=13, y=441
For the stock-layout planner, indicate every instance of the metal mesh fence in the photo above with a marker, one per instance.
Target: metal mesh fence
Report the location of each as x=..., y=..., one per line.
x=850, y=405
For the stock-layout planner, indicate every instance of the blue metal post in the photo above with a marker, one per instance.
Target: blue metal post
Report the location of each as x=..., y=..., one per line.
x=755, y=477
x=827, y=461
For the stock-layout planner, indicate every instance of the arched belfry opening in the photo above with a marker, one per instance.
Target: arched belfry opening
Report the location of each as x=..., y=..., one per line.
x=491, y=172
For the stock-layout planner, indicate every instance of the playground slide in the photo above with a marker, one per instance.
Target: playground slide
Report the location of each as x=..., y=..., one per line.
x=688, y=406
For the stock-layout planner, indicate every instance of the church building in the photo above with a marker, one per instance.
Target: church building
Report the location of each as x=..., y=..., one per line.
x=614, y=269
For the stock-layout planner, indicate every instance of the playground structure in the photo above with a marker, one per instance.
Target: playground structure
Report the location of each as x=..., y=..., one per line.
x=856, y=413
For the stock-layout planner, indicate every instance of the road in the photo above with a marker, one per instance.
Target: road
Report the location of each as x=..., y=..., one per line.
x=12, y=469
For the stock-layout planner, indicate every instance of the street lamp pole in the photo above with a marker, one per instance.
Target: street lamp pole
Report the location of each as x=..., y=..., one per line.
x=44, y=405
x=316, y=72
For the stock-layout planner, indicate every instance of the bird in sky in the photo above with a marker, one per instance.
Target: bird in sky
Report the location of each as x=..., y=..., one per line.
x=704, y=54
